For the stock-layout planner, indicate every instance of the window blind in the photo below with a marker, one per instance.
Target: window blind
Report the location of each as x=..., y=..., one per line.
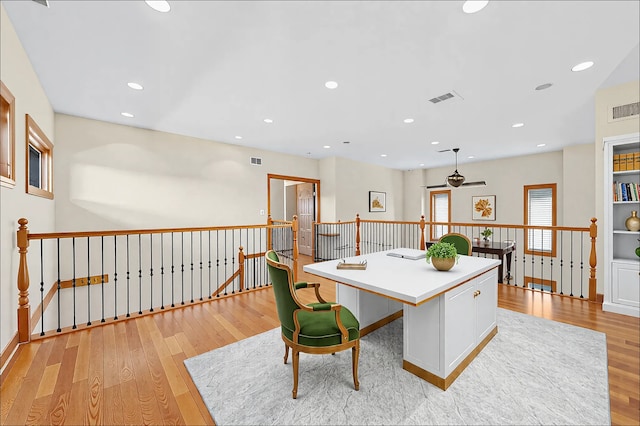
x=540, y=212
x=440, y=214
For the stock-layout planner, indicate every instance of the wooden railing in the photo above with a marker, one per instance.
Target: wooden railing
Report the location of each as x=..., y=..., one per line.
x=106, y=276
x=558, y=268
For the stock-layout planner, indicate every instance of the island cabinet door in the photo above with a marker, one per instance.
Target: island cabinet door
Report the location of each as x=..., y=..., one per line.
x=460, y=328
x=486, y=297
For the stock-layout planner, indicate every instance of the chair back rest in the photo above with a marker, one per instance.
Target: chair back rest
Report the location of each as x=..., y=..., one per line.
x=282, y=282
x=460, y=241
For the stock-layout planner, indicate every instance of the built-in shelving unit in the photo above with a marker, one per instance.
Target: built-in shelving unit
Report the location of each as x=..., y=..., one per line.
x=621, y=265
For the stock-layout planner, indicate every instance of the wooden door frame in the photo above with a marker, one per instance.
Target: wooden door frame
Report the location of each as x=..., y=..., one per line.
x=297, y=179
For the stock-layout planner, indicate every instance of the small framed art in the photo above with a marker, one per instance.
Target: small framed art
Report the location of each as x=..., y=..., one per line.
x=377, y=201
x=484, y=207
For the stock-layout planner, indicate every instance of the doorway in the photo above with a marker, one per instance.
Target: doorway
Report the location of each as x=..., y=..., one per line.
x=292, y=195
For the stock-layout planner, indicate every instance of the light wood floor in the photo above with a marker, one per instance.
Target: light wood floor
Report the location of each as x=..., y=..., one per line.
x=133, y=372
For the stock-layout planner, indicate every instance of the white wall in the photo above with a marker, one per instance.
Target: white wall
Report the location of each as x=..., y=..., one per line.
x=118, y=177
x=17, y=74
x=505, y=179
x=354, y=180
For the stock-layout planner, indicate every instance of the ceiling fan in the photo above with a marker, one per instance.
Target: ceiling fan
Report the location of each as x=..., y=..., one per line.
x=455, y=179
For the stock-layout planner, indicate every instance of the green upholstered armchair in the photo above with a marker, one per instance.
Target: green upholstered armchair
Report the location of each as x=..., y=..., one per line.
x=317, y=328
x=460, y=241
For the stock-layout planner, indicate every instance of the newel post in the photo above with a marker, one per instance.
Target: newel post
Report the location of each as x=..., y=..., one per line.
x=241, y=266
x=357, y=234
x=294, y=228
x=24, y=309
x=593, y=233
x=269, y=233
x=422, y=224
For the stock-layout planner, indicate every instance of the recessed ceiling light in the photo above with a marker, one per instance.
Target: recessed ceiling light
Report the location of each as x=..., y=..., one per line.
x=540, y=145
x=544, y=86
x=238, y=137
x=135, y=86
x=159, y=5
x=327, y=146
x=582, y=66
x=435, y=143
x=421, y=164
x=471, y=156
x=516, y=125
x=408, y=120
x=126, y=114
x=473, y=6
x=383, y=155
x=268, y=120
x=331, y=85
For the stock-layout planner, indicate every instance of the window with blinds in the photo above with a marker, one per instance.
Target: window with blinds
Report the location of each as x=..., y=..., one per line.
x=540, y=210
x=440, y=212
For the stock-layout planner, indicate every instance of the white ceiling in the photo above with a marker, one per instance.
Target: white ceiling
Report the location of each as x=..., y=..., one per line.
x=216, y=69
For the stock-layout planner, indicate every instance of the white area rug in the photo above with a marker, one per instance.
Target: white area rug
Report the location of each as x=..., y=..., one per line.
x=534, y=371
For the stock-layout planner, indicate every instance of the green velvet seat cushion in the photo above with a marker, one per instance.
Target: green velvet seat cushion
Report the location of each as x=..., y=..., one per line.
x=319, y=328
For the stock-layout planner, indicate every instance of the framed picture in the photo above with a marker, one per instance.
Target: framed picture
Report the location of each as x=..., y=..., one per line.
x=377, y=201
x=484, y=207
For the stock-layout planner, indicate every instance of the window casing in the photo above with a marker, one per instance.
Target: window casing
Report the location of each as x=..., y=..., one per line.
x=540, y=284
x=540, y=210
x=39, y=155
x=440, y=211
x=7, y=137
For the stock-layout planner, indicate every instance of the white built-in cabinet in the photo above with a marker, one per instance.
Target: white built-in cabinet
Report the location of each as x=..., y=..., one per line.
x=621, y=265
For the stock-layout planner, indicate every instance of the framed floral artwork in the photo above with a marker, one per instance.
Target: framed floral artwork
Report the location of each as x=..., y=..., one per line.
x=484, y=207
x=377, y=201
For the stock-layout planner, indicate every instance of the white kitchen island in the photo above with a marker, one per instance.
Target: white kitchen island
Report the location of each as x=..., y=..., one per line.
x=448, y=316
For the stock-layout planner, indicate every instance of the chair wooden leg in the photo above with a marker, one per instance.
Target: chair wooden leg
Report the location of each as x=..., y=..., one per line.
x=286, y=353
x=355, y=355
x=296, y=359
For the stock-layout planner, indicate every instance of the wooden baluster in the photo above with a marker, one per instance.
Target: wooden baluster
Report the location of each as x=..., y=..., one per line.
x=24, y=309
x=269, y=233
x=241, y=267
x=358, y=234
x=422, y=224
x=294, y=228
x=593, y=233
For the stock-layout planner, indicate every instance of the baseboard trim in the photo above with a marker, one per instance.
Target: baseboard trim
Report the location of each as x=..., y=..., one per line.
x=6, y=358
x=444, y=383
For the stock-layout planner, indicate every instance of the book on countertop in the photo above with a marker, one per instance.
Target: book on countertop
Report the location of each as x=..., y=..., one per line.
x=405, y=253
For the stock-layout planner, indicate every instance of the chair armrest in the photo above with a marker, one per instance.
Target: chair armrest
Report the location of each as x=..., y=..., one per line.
x=314, y=285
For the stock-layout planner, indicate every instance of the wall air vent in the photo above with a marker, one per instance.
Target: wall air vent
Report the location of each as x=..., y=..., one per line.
x=624, y=112
x=445, y=97
x=256, y=161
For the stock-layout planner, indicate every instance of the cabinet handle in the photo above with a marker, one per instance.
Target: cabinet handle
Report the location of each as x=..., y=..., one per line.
x=476, y=293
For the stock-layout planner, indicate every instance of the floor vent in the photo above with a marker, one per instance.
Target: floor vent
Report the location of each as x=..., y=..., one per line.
x=623, y=112
x=256, y=161
x=445, y=97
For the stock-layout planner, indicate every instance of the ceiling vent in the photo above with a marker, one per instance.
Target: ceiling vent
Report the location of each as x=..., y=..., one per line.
x=624, y=112
x=446, y=97
x=256, y=161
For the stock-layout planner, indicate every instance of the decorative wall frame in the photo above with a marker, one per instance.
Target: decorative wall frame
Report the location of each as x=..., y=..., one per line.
x=377, y=201
x=483, y=207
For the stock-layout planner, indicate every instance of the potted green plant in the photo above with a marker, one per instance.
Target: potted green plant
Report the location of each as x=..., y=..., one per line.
x=486, y=234
x=442, y=255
